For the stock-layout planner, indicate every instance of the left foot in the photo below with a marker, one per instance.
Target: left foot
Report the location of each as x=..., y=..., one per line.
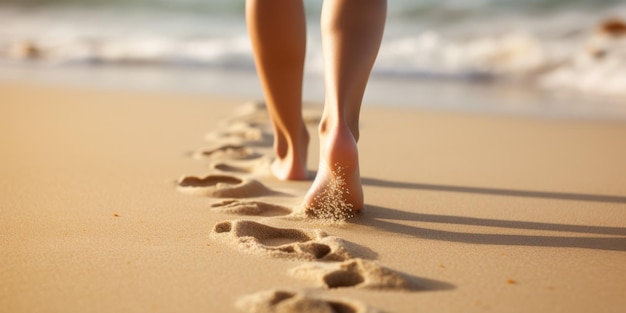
x=290, y=162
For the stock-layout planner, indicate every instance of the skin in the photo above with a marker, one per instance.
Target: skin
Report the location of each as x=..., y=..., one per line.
x=351, y=35
x=277, y=31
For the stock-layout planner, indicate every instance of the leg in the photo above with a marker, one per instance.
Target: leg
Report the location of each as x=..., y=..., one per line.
x=351, y=35
x=277, y=30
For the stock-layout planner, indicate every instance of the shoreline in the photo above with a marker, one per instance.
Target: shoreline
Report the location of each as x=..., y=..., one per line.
x=491, y=97
x=483, y=212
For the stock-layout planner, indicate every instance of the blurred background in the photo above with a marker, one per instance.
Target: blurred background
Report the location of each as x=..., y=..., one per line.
x=539, y=57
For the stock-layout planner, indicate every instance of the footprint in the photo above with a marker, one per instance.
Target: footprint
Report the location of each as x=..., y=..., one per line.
x=281, y=301
x=255, y=112
x=229, y=151
x=231, y=168
x=356, y=273
x=260, y=166
x=242, y=132
x=251, y=107
x=250, y=208
x=260, y=208
x=221, y=186
x=294, y=244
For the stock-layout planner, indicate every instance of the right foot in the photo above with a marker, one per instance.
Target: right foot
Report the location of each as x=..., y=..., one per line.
x=336, y=192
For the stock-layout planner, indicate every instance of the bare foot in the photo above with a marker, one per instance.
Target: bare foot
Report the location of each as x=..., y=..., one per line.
x=290, y=162
x=336, y=192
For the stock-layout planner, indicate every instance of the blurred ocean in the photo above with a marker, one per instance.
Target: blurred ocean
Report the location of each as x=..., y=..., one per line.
x=557, y=45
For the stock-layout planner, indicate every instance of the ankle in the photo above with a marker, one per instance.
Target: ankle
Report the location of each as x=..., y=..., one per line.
x=328, y=127
x=291, y=156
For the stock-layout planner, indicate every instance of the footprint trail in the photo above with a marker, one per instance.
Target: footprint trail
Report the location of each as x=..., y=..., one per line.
x=241, y=154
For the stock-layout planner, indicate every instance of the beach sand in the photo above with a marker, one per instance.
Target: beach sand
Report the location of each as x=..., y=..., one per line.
x=136, y=201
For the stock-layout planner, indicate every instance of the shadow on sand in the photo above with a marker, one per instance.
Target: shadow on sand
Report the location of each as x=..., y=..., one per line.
x=495, y=191
x=607, y=238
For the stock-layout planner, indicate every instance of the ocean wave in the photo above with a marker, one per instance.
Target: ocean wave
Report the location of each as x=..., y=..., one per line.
x=565, y=52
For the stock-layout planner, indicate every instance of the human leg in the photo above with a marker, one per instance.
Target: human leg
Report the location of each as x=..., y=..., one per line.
x=351, y=35
x=277, y=31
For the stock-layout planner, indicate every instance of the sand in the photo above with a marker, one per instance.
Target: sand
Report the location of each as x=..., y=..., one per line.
x=120, y=201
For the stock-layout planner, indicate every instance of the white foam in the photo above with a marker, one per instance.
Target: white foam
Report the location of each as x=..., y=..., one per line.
x=550, y=51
